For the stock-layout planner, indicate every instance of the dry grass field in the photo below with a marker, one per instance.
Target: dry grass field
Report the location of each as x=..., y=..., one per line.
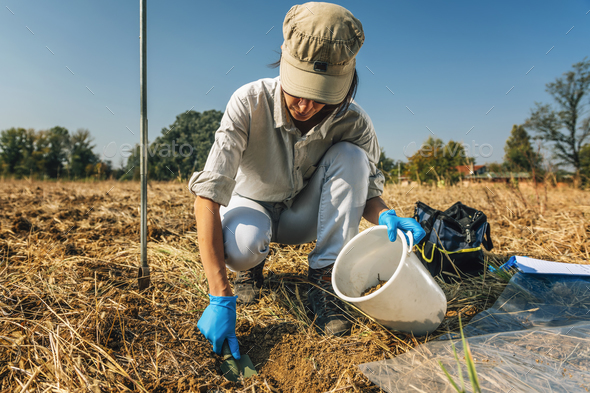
x=73, y=320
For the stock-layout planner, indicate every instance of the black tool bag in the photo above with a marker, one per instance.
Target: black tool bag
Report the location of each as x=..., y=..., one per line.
x=452, y=245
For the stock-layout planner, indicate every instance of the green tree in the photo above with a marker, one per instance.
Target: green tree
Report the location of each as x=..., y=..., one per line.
x=18, y=152
x=27, y=152
x=422, y=163
x=386, y=165
x=11, y=144
x=55, y=149
x=585, y=162
x=520, y=155
x=390, y=167
x=495, y=167
x=181, y=149
x=81, y=155
x=46, y=154
x=437, y=162
x=563, y=126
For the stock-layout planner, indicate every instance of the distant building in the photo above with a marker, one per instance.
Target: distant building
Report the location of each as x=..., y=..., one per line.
x=471, y=170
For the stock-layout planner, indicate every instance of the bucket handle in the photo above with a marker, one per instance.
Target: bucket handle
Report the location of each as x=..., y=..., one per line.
x=410, y=243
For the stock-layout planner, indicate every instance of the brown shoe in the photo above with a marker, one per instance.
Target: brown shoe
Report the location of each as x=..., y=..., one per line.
x=324, y=303
x=248, y=283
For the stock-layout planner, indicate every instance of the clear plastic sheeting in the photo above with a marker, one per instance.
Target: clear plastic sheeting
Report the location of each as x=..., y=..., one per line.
x=535, y=338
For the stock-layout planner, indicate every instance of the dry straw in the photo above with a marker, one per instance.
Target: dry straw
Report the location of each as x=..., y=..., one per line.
x=72, y=318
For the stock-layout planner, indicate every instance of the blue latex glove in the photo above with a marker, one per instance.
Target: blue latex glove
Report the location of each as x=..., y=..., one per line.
x=218, y=323
x=394, y=223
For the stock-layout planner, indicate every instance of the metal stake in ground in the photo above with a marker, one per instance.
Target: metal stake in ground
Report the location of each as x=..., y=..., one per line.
x=143, y=275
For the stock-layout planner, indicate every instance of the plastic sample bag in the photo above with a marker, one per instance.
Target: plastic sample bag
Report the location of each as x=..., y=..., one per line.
x=535, y=338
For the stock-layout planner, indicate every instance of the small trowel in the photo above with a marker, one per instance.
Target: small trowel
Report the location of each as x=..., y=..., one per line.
x=234, y=369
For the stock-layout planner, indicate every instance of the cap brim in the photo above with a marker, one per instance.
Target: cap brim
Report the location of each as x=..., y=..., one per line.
x=316, y=86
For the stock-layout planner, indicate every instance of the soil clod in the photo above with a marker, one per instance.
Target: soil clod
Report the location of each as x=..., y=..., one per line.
x=374, y=288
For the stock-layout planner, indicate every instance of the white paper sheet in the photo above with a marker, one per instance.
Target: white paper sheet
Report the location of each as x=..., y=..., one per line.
x=538, y=266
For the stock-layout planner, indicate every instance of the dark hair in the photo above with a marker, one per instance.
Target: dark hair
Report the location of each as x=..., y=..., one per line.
x=340, y=108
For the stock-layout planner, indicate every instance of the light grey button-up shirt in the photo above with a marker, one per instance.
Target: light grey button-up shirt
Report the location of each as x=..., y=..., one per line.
x=260, y=154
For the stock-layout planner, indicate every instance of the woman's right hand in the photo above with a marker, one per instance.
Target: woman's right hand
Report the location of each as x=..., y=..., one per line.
x=218, y=323
x=210, y=237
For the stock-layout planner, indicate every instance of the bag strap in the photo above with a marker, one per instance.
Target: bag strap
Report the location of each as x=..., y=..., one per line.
x=487, y=240
x=424, y=251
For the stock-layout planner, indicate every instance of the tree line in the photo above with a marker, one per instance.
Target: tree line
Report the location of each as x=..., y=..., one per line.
x=50, y=154
x=57, y=153
x=183, y=147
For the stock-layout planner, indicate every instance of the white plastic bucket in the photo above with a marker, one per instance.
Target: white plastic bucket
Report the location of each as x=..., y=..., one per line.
x=410, y=301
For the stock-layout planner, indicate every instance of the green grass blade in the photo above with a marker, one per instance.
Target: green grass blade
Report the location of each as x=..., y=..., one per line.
x=459, y=367
x=450, y=378
x=469, y=360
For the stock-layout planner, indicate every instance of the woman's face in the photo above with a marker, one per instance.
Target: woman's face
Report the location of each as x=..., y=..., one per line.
x=301, y=109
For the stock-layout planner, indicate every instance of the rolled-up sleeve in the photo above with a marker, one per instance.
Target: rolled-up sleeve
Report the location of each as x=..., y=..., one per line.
x=217, y=179
x=366, y=139
x=376, y=183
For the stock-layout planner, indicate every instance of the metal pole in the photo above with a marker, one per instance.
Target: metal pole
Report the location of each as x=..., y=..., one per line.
x=144, y=270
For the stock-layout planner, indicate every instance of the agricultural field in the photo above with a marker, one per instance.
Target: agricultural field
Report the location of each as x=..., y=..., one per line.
x=72, y=318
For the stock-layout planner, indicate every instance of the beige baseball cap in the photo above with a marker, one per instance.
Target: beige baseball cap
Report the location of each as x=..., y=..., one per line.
x=318, y=54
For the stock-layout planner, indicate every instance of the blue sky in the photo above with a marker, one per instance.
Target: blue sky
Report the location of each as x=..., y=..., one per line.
x=448, y=64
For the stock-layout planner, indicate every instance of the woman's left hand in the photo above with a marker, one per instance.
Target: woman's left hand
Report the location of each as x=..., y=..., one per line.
x=393, y=223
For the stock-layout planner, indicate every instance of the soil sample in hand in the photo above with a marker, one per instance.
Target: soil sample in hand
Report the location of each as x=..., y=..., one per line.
x=374, y=288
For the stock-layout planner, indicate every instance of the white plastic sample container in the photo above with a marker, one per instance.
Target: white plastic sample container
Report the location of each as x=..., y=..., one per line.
x=410, y=301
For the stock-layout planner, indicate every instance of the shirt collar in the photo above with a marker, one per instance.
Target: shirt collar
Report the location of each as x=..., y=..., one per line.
x=325, y=124
x=281, y=118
